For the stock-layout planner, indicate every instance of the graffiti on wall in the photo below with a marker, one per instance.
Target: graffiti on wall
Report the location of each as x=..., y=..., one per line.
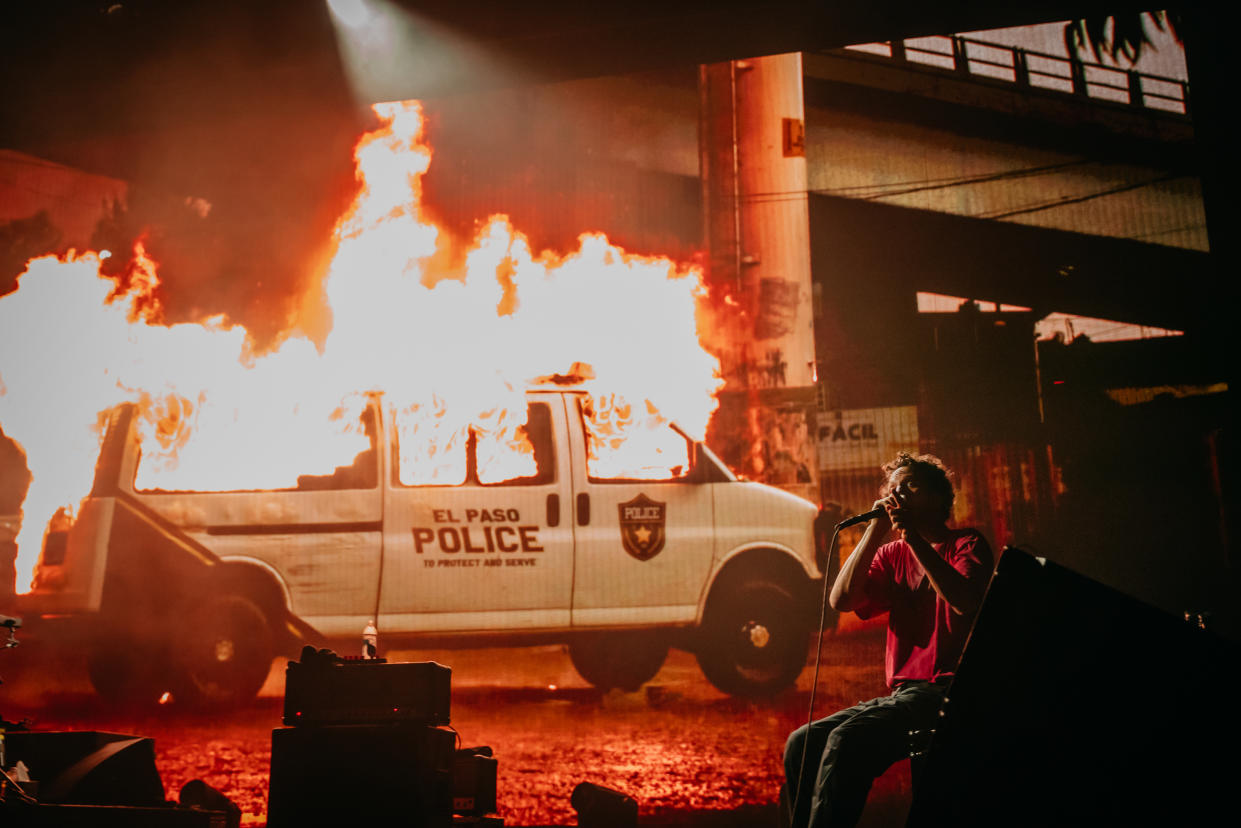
x=743, y=371
x=777, y=308
x=780, y=446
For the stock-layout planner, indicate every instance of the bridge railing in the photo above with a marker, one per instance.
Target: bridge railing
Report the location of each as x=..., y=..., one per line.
x=1030, y=69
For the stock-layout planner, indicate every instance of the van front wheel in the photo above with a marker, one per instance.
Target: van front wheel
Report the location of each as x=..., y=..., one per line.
x=224, y=653
x=753, y=639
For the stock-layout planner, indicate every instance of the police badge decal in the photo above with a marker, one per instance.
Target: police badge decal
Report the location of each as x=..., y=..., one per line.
x=642, y=526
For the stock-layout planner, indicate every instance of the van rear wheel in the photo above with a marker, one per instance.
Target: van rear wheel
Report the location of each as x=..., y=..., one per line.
x=224, y=653
x=753, y=639
x=618, y=660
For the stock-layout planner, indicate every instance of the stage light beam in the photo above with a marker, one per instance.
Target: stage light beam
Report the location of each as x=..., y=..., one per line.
x=353, y=13
x=390, y=53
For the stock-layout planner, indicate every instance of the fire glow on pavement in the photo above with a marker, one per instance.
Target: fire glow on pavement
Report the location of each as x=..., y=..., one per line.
x=679, y=747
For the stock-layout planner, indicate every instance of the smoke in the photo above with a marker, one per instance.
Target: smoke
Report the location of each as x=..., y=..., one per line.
x=20, y=241
x=560, y=160
x=249, y=246
x=194, y=105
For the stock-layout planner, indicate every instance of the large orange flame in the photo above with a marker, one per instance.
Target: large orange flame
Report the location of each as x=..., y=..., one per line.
x=451, y=351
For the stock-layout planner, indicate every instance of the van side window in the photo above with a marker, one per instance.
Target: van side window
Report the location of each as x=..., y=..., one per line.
x=526, y=456
x=241, y=464
x=362, y=473
x=619, y=449
x=500, y=451
x=428, y=449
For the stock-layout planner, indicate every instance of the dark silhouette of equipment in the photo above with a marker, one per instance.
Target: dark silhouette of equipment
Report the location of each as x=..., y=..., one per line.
x=89, y=767
x=366, y=747
x=325, y=689
x=103, y=780
x=360, y=774
x=119, y=772
x=474, y=782
x=111, y=816
x=198, y=794
x=10, y=625
x=91, y=779
x=600, y=807
x=1074, y=704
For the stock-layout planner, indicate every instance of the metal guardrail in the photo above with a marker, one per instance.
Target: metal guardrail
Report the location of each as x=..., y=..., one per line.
x=1039, y=70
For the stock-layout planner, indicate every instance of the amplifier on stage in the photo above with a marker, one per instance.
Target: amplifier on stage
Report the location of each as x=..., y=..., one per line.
x=325, y=689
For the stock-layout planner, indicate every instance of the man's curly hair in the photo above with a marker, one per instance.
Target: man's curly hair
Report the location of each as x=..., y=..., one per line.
x=928, y=470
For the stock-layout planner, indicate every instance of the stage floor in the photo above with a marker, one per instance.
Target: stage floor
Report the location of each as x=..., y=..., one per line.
x=688, y=754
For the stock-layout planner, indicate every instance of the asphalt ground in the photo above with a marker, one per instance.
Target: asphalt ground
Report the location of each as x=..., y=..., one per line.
x=689, y=755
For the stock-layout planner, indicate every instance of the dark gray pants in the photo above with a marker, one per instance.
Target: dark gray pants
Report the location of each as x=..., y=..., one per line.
x=846, y=752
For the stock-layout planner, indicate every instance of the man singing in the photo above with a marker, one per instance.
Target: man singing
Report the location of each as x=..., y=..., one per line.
x=930, y=582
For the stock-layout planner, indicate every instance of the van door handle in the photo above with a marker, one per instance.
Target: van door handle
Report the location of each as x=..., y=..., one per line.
x=553, y=509
x=583, y=509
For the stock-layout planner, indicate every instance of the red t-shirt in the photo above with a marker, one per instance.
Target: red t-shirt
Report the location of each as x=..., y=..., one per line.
x=925, y=637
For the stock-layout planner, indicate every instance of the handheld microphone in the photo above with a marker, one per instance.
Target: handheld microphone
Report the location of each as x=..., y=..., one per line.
x=865, y=517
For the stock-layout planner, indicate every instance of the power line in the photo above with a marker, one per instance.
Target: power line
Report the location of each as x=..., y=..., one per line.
x=1183, y=229
x=796, y=195
x=1063, y=202
x=955, y=181
x=983, y=179
x=914, y=186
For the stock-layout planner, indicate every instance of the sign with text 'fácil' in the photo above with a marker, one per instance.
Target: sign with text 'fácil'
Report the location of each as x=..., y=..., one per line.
x=865, y=438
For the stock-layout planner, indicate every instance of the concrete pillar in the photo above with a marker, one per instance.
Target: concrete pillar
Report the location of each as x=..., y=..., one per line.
x=757, y=227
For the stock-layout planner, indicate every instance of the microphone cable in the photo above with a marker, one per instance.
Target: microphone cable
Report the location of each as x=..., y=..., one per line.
x=814, y=685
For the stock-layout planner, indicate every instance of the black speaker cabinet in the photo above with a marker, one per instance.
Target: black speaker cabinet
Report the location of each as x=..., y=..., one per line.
x=392, y=774
x=1075, y=704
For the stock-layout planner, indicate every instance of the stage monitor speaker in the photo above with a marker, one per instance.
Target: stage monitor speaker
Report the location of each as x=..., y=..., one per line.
x=89, y=767
x=1076, y=704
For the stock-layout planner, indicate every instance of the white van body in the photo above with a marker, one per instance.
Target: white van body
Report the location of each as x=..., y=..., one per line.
x=213, y=584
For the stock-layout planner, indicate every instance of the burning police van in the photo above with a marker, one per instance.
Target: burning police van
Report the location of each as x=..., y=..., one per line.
x=197, y=591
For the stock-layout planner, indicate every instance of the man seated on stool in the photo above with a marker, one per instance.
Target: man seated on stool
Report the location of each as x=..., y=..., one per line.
x=930, y=582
